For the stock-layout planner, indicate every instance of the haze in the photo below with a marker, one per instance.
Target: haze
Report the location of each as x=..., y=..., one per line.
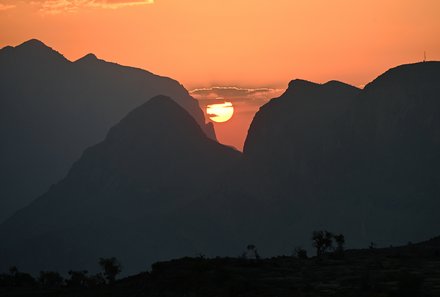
x=248, y=44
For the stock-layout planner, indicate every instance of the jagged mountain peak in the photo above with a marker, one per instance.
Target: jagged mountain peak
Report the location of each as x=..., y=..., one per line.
x=160, y=111
x=90, y=57
x=340, y=84
x=67, y=106
x=33, y=43
x=298, y=85
x=33, y=50
x=409, y=74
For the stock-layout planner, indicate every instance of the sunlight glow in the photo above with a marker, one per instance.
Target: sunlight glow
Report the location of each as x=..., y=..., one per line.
x=220, y=112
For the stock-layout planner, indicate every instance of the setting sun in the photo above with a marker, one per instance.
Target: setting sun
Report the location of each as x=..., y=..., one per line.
x=220, y=112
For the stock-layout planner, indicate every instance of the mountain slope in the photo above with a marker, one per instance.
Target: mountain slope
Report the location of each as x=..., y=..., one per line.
x=51, y=109
x=397, y=126
x=295, y=157
x=135, y=196
x=300, y=132
x=362, y=162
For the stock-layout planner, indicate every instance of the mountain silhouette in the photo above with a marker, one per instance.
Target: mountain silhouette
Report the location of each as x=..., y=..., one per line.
x=398, y=133
x=51, y=109
x=363, y=162
x=134, y=195
x=300, y=134
x=295, y=155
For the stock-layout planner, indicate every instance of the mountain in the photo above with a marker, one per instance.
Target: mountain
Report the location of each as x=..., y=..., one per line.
x=321, y=156
x=51, y=109
x=134, y=195
x=302, y=132
x=296, y=155
x=361, y=162
x=397, y=124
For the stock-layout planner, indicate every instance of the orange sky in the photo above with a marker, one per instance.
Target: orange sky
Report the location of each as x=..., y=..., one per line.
x=246, y=43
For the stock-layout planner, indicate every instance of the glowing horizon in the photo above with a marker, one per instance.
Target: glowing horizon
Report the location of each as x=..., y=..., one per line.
x=257, y=46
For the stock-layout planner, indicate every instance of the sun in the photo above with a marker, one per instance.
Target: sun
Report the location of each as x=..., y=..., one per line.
x=220, y=113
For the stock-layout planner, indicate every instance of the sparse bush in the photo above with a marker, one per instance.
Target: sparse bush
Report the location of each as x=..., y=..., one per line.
x=50, y=279
x=111, y=268
x=300, y=253
x=78, y=279
x=251, y=252
x=15, y=278
x=96, y=280
x=340, y=242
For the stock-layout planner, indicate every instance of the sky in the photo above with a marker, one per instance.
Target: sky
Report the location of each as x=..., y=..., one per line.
x=243, y=51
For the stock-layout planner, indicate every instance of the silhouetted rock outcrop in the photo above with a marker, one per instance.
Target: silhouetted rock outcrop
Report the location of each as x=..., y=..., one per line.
x=134, y=196
x=51, y=109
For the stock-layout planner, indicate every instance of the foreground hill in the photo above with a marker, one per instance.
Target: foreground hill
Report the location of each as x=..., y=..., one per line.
x=51, y=109
x=410, y=270
x=134, y=195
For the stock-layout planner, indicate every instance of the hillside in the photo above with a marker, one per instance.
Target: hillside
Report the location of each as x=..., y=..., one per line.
x=411, y=270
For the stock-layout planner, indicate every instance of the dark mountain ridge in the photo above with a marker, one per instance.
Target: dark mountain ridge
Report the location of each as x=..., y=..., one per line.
x=51, y=109
x=363, y=162
x=301, y=136
x=321, y=156
x=149, y=171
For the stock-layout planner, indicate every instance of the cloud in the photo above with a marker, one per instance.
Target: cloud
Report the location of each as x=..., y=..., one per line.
x=60, y=6
x=253, y=96
x=6, y=6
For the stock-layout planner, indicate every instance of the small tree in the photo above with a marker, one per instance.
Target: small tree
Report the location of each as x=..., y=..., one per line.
x=322, y=241
x=252, y=249
x=111, y=268
x=340, y=241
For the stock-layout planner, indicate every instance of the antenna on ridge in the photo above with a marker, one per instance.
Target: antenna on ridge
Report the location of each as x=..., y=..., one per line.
x=424, y=56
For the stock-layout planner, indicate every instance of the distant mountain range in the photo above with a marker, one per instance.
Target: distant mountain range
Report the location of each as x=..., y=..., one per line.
x=51, y=109
x=322, y=156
